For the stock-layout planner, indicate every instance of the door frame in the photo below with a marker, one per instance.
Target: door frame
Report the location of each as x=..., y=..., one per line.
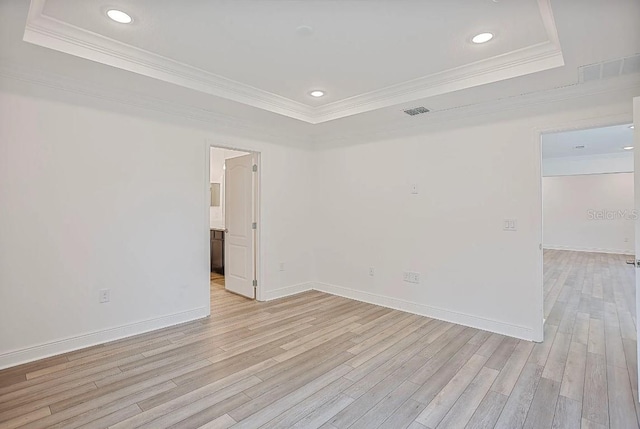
x=258, y=250
x=580, y=124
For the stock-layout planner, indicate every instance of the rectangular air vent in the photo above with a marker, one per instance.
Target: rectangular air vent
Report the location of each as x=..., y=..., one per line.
x=416, y=111
x=609, y=69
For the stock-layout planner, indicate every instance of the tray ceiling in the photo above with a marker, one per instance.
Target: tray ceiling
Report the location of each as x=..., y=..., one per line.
x=365, y=55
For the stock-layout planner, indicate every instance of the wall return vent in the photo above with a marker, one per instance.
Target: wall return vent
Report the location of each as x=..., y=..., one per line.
x=615, y=68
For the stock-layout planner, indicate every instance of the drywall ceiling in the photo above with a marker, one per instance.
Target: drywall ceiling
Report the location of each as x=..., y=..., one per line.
x=594, y=141
x=589, y=31
x=271, y=54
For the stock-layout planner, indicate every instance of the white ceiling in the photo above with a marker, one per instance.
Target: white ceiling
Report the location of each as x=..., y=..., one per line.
x=355, y=46
x=589, y=31
x=364, y=54
x=596, y=141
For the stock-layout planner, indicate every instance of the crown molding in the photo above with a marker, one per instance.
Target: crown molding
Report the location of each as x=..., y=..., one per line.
x=529, y=60
x=58, y=35
x=628, y=85
x=94, y=91
x=46, y=31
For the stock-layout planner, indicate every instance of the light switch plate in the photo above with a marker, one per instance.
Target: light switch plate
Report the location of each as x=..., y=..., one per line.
x=510, y=225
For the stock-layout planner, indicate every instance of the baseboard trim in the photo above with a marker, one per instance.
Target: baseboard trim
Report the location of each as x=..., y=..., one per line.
x=19, y=357
x=482, y=323
x=66, y=345
x=286, y=291
x=590, y=249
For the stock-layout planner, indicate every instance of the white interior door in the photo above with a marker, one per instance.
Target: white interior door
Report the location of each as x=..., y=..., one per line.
x=636, y=186
x=238, y=240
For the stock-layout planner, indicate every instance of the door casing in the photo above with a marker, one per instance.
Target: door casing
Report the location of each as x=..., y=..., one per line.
x=258, y=250
x=582, y=124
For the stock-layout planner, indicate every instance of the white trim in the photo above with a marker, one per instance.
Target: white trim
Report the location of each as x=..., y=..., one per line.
x=539, y=300
x=142, y=101
x=212, y=143
x=636, y=205
x=46, y=31
x=593, y=122
x=464, y=319
x=282, y=292
x=532, y=59
x=61, y=36
x=589, y=249
x=53, y=348
x=623, y=85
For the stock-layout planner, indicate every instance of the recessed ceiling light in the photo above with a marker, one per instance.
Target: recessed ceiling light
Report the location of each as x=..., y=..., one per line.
x=304, y=30
x=119, y=16
x=482, y=38
x=628, y=148
x=317, y=93
x=632, y=126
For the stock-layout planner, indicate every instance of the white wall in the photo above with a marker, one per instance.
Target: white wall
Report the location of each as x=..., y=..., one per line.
x=593, y=164
x=589, y=213
x=471, y=175
x=96, y=194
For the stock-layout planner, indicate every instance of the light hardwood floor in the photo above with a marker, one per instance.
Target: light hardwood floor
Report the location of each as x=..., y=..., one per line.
x=315, y=360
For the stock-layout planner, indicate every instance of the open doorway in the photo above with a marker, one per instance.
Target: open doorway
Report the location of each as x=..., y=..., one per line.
x=588, y=235
x=233, y=214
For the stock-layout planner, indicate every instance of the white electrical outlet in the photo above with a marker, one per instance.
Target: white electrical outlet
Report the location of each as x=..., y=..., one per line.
x=105, y=295
x=281, y=266
x=372, y=271
x=411, y=277
x=414, y=188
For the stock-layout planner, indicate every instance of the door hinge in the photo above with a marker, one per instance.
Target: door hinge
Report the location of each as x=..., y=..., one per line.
x=254, y=168
x=254, y=225
x=255, y=283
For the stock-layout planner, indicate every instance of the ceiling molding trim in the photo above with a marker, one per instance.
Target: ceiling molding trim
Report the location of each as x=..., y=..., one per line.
x=525, y=61
x=144, y=102
x=55, y=34
x=627, y=85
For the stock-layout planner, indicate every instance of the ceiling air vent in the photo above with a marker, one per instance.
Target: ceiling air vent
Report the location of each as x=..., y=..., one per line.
x=416, y=111
x=608, y=69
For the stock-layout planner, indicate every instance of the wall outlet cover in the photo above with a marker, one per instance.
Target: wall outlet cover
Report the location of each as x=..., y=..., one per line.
x=411, y=277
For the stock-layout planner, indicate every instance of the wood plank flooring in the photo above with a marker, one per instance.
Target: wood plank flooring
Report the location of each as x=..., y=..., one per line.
x=319, y=361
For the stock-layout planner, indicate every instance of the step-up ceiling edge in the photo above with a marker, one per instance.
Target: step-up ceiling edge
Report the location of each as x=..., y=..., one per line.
x=61, y=36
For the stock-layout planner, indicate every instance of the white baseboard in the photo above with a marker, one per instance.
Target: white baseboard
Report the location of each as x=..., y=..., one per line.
x=482, y=323
x=53, y=348
x=590, y=249
x=286, y=291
